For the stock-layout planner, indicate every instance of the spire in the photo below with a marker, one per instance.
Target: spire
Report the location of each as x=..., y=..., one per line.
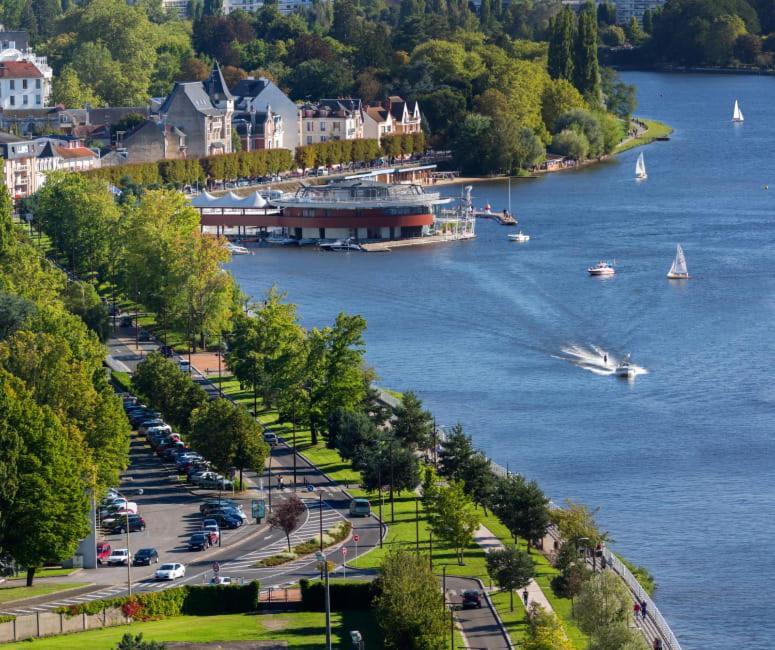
x=216, y=86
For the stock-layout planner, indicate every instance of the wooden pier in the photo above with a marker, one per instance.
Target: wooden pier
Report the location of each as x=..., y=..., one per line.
x=503, y=218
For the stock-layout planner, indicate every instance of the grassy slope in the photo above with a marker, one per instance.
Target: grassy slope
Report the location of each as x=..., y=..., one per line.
x=653, y=131
x=19, y=592
x=299, y=629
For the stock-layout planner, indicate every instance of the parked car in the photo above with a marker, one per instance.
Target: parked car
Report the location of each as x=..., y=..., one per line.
x=166, y=351
x=119, y=556
x=103, y=552
x=472, y=599
x=146, y=557
x=184, y=365
x=226, y=510
x=226, y=520
x=150, y=422
x=170, y=571
x=221, y=580
x=216, y=482
x=218, y=502
x=270, y=438
x=198, y=542
x=119, y=525
x=360, y=508
x=144, y=335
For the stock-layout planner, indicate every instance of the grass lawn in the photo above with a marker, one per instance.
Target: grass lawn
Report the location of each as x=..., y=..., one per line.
x=653, y=131
x=47, y=572
x=18, y=592
x=299, y=629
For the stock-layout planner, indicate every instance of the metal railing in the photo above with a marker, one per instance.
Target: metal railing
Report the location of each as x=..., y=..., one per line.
x=664, y=629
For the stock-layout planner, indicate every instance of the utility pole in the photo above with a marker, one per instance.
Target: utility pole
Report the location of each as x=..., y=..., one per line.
x=417, y=522
x=430, y=548
x=322, y=559
x=320, y=495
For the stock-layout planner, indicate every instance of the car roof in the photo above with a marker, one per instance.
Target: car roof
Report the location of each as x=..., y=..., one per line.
x=146, y=550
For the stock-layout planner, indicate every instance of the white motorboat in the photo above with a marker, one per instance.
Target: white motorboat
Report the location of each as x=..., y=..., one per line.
x=519, y=237
x=640, y=168
x=601, y=268
x=624, y=368
x=345, y=245
x=737, y=114
x=678, y=270
x=279, y=240
x=235, y=249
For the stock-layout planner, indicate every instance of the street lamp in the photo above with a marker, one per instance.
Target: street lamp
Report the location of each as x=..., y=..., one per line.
x=321, y=557
x=128, y=552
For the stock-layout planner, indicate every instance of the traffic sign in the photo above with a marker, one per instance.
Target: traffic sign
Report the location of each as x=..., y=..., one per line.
x=216, y=567
x=356, y=538
x=344, y=550
x=310, y=487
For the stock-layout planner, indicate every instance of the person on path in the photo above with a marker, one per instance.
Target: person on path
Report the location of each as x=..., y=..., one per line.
x=636, y=610
x=280, y=481
x=643, y=607
x=658, y=644
x=525, y=597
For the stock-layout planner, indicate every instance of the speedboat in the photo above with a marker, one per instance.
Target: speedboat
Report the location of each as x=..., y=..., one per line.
x=624, y=368
x=520, y=237
x=601, y=268
x=348, y=244
x=279, y=240
x=235, y=249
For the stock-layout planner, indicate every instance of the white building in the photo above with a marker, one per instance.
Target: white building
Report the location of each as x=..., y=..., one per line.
x=331, y=119
x=627, y=9
x=25, y=80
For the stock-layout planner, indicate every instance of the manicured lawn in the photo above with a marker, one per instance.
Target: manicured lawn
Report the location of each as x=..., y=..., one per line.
x=18, y=592
x=299, y=629
x=654, y=130
x=514, y=621
x=48, y=572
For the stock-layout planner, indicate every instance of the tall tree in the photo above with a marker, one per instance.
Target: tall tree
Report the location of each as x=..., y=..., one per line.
x=586, y=73
x=409, y=605
x=413, y=424
x=7, y=235
x=522, y=507
x=287, y=516
x=480, y=481
x=452, y=518
x=345, y=23
x=455, y=453
x=511, y=569
x=561, y=42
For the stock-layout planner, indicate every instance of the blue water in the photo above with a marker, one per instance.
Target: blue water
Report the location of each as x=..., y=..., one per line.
x=680, y=461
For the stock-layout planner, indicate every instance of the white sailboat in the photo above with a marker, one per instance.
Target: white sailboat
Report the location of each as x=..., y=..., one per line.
x=737, y=114
x=640, y=168
x=678, y=270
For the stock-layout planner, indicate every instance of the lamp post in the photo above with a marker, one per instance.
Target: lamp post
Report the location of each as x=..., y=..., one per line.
x=321, y=557
x=128, y=552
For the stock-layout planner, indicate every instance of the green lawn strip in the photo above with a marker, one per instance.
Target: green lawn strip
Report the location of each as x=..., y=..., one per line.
x=654, y=130
x=48, y=572
x=299, y=629
x=122, y=379
x=514, y=621
x=21, y=592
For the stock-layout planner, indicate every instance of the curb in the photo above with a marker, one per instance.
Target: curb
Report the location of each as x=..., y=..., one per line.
x=494, y=611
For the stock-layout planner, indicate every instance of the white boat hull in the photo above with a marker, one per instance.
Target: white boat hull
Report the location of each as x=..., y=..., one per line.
x=601, y=271
x=519, y=237
x=623, y=371
x=677, y=276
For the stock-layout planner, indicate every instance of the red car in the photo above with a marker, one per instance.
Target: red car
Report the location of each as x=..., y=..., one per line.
x=103, y=552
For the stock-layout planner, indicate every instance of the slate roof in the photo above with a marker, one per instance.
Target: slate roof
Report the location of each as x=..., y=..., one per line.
x=216, y=86
x=250, y=87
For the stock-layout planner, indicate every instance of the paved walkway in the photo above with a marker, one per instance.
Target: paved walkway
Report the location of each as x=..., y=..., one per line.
x=489, y=542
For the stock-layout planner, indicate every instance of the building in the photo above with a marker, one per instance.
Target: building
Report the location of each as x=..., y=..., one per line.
x=259, y=130
x=19, y=166
x=151, y=141
x=14, y=39
x=200, y=112
x=263, y=96
x=377, y=122
x=23, y=84
x=54, y=154
x=406, y=115
x=331, y=119
x=626, y=10
x=179, y=7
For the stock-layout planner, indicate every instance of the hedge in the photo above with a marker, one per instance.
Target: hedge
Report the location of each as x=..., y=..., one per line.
x=344, y=595
x=188, y=599
x=7, y=619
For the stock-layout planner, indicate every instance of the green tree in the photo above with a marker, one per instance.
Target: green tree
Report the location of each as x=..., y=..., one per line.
x=228, y=436
x=511, y=569
x=560, y=96
x=544, y=631
x=633, y=31
x=287, y=516
x=561, y=45
x=480, y=481
x=455, y=453
x=576, y=522
x=613, y=36
x=619, y=97
x=522, y=507
x=345, y=23
x=7, y=235
x=82, y=299
x=350, y=432
x=409, y=605
x=14, y=312
x=413, y=425
x=382, y=460
x=648, y=21
x=529, y=149
x=571, y=144
x=452, y=518
x=70, y=91
x=586, y=75
x=129, y=642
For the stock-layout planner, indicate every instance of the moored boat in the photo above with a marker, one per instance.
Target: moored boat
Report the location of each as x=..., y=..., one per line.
x=601, y=268
x=235, y=249
x=519, y=237
x=340, y=245
x=678, y=271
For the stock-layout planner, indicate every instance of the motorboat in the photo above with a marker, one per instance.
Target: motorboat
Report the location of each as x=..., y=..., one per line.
x=308, y=241
x=348, y=244
x=624, y=368
x=280, y=240
x=678, y=270
x=519, y=237
x=601, y=268
x=235, y=249
x=737, y=114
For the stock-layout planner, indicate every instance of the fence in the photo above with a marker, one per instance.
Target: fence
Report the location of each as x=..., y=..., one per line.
x=43, y=624
x=664, y=629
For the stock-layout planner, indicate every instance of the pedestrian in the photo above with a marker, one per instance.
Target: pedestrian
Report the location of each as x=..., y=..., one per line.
x=658, y=644
x=525, y=597
x=280, y=480
x=643, y=606
x=636, y=610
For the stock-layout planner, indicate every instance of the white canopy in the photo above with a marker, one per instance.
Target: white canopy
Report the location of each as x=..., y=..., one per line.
x=229, y=201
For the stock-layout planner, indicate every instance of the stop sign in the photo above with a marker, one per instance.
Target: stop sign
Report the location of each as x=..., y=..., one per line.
x=356, y=538
x=344, y=550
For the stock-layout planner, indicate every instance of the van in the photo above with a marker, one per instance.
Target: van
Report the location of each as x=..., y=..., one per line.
x=360, y=508
x=184, y=365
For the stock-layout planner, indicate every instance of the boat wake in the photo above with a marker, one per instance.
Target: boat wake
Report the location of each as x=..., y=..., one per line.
x=595, y=360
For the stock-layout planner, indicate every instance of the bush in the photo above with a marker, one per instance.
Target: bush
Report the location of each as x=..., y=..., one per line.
x=7, y=619
x=571, y=144
x=276, y=560
x=344, y=595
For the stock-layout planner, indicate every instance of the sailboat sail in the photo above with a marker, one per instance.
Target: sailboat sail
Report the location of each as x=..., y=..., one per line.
x=679, y=263
x=640, y=167
x=737, y=114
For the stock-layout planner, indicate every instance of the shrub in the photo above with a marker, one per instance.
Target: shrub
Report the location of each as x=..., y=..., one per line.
x=344, y=595
x=276, y=560
x=7, y=619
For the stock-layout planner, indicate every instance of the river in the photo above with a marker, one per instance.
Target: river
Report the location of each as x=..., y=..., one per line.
x=506, y=338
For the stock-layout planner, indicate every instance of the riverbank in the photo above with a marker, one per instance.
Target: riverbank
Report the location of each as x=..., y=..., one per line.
x=655, y=130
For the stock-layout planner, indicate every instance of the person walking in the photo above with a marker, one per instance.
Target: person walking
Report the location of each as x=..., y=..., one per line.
x=643, y=606
x=658, y=644
x=280, y=481
x=525, y=597
x=636, y=611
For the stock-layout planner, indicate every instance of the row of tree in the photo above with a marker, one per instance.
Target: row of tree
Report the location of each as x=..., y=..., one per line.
x=343, y=152
x=63, y=432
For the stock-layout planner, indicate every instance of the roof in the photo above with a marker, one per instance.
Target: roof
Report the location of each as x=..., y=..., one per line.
x=378, y=113
x=115, y=114
x=196, y=94
x=250, y=87
x=216, y=86
x=230, y=200
x=70, y=153
x=9, y=137
x=18, y=70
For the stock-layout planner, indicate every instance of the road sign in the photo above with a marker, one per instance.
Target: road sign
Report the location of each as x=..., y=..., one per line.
x=344, y=550
x=310, y=487
x=356, y=538
x=216, y=567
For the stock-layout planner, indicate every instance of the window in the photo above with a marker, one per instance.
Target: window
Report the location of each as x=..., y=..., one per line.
x=25, y=99
x=310, y=126
x=37, y=84
x=37, y=100
x=24, y=84
x=13, y=100
x=336, y=126
x=323, y=138
x=13, y=85
x=309, y=139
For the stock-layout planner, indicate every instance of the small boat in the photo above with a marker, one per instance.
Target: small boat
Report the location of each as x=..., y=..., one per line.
x=640, y=168
x=520, y=237
x=624, y=368
x=308, y=241
x=678, y=270
x=279, y=240
x=235, y=249
x=348, y=244
x=601, y=268
x=737, y=114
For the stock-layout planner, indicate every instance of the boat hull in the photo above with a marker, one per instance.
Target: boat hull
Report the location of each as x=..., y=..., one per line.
x=599, y=272
x=677, y=276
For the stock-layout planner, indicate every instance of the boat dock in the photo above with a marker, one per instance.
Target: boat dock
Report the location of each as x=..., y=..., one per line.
x=503, y=218
x=387, y=246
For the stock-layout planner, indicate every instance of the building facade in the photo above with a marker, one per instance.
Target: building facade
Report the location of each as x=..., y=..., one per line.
x=626, y=10
x=406, y=115
x=331, y=119
x=22, y=85
x=254, y=96
x=377, y=122
x=259, y=130
x=19, y=166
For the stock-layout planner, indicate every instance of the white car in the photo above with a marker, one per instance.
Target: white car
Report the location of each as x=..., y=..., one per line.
x=221, y=580
x=170, y=571
x=119, y=556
